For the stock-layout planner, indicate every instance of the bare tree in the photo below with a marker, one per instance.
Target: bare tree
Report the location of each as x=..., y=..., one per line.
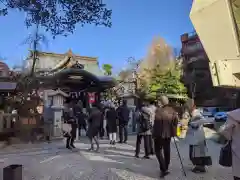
x=27, y=83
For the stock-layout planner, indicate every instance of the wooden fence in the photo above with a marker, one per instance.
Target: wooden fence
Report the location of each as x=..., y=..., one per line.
x=23, y=128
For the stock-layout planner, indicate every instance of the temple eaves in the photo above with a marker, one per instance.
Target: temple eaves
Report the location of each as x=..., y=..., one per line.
x=60, y=55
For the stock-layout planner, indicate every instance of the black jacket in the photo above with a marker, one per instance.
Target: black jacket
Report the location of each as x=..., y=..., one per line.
x=144, y=122
x=123, y=114
x=95, y=118
x=79, y=115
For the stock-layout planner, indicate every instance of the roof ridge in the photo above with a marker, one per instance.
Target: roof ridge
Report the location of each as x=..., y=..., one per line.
x=68, y=53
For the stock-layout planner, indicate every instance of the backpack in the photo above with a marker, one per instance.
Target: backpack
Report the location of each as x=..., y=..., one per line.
x=145, y=124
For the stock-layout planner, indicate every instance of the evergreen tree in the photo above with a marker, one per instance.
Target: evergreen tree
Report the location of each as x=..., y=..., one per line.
x=166, y=82
x=107, y=69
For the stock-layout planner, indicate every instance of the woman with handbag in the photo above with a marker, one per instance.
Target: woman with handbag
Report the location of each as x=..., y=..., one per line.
x=231, y=131
x=196, y=138
x=70, y=132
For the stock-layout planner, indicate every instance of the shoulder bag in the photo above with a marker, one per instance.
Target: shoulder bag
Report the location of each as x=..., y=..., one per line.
x=144, y=123
x=225, y=158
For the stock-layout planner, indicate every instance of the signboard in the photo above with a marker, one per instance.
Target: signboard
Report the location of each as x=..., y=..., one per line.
x=75, y=95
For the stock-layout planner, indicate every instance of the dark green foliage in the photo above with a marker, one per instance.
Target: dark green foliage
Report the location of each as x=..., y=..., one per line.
x=166, y=82
x=60, y=17
x=107, y=69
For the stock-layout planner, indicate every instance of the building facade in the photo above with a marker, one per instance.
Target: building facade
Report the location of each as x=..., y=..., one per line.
x=197, y=77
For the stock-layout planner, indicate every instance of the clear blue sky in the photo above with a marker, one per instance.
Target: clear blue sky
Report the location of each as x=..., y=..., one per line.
x=135, y=24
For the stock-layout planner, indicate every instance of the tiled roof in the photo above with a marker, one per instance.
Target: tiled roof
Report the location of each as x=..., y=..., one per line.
x=93, y=68
x=62, y=55
x=3, y=66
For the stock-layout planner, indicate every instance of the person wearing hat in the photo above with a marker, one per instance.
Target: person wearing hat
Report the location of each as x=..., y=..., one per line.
x=164, y=128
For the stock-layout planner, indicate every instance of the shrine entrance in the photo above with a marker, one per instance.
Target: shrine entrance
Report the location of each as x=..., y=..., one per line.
x=76, y=83
x=80, y=84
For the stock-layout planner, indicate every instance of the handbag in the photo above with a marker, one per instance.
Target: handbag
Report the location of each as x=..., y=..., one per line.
x=66, y=134
x=225, y=158
x=66, y=129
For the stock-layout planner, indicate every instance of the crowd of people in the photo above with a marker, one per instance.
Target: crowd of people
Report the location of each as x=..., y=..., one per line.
x=156, y=126
x=92, y=122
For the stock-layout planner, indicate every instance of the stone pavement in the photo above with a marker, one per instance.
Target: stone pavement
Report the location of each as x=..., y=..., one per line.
x=53, y=161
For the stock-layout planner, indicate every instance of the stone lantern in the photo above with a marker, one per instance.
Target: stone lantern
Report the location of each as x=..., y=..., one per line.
x=55, y=101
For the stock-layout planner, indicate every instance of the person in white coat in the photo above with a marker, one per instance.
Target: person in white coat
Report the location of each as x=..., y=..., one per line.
x=196, y=138
x=231, y=130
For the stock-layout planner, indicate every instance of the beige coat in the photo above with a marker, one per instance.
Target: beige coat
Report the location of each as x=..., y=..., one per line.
x=196, y=136
x=231, y=130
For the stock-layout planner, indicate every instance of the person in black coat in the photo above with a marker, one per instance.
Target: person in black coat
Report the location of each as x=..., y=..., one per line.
x=68, y=116
x=94, y=126
x=73, y=133
x=101, y=128
x=111, y=116
x=80, y=116
x=123, y=117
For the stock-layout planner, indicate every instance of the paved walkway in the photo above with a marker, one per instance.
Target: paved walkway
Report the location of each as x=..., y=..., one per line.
x=53, y=161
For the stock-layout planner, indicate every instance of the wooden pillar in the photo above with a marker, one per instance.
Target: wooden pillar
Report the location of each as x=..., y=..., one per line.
x=86, y=100
x=98, y=98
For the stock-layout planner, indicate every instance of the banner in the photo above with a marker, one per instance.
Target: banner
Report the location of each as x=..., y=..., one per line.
x=91, y=97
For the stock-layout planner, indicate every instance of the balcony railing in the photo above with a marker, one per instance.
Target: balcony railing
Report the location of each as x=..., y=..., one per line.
x=193, y=48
